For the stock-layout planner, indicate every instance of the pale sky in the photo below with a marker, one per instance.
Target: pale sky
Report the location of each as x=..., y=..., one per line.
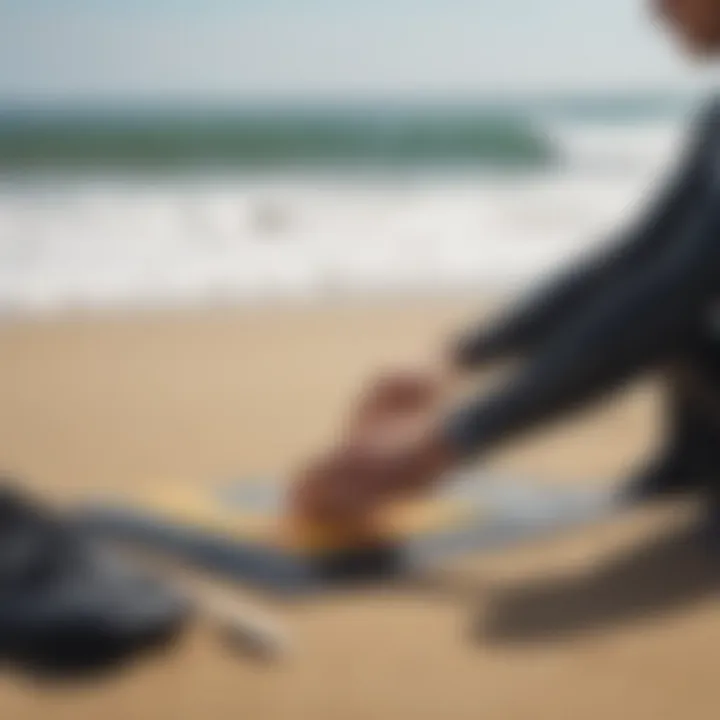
x=267, y=49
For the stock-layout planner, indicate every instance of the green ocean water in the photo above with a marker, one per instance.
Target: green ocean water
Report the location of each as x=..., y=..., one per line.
x=510, y=134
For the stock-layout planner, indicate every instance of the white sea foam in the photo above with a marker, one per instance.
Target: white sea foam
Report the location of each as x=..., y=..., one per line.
x=95, y=244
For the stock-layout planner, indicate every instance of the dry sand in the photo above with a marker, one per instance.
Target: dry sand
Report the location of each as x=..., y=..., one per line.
x=619, y=622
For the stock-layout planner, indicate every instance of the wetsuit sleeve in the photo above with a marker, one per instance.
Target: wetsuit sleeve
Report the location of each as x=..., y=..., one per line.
x=627, y=328
x=528, y=322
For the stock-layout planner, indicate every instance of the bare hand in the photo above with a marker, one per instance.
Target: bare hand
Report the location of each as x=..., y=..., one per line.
x=395, y=397
x=349, y=484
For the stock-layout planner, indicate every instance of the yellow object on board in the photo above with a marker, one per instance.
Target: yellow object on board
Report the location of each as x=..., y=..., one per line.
x=202, y=509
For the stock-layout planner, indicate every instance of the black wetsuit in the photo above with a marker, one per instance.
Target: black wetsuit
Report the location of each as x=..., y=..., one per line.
x=646, y=301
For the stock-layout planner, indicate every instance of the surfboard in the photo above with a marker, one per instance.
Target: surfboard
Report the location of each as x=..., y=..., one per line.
x=238, y=529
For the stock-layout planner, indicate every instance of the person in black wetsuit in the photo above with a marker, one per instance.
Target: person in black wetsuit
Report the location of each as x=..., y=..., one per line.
x=648, y=302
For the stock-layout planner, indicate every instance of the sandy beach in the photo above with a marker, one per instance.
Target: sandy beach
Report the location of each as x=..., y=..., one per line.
x=618, y=622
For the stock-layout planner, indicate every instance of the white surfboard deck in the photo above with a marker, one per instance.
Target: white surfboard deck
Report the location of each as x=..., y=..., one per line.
x=496, y=513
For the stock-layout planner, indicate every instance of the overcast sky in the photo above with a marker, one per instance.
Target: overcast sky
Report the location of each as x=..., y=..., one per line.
x=264, y=49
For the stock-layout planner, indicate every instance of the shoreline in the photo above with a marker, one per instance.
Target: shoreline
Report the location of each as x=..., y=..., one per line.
x=484, y=302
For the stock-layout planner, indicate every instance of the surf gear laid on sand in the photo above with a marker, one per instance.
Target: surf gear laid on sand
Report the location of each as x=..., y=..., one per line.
x=240, y=529
x=68, y=607
x=647, y=301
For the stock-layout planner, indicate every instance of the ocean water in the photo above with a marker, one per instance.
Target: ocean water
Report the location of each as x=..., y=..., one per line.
x=152, y=209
